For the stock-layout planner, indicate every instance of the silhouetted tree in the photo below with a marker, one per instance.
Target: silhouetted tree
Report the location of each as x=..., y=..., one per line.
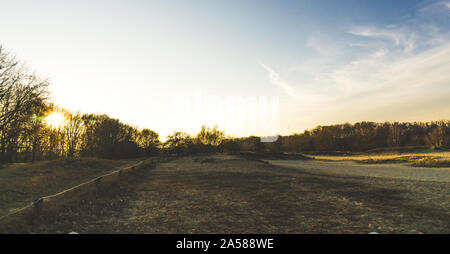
x=74, y=129
x=21, y=92
x=179, y=143
x=148, y=140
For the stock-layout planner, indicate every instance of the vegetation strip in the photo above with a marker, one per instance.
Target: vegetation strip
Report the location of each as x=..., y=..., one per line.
x=49, y=197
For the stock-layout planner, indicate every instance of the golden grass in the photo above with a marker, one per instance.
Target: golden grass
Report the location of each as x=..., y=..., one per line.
x=438, y=159
x=432, y=162
x=399, y=159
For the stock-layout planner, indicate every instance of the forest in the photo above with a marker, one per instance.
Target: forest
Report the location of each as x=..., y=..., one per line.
x=32, y=128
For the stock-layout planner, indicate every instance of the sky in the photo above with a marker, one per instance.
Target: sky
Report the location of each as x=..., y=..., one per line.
x=250, y=67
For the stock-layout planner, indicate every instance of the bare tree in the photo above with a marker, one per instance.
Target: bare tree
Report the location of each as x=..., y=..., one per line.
x=20, y=93
x=74, y=129
x=437, y=136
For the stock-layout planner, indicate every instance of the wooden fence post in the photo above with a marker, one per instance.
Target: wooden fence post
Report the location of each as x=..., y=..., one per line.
x=38, y=203
x=98, y=180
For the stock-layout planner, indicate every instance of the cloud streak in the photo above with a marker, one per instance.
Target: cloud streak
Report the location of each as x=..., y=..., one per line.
x=436, y=7
x=298, y=93
x=401, y=39
x=276, y=80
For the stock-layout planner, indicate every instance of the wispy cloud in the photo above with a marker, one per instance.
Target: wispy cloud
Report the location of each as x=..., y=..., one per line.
x=276, y=80
x=397, y=72
x=395, y=62
x=298, y=93
x=436, y=7
x=403, y=39
x=379, y=87
x=410, y=76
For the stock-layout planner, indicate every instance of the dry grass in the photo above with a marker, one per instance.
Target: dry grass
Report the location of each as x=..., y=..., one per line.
x=230, y=194
x=21, y=183
x=398, y=159
x=435, y=159
x=432, y=163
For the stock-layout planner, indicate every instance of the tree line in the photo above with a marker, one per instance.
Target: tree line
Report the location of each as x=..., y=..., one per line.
x=365, y=136
x=26, y=136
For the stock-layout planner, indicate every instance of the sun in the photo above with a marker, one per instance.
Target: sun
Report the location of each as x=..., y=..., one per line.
x=55, y=120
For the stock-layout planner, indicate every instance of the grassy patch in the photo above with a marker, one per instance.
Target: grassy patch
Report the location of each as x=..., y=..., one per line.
x=400, y=159
x=98, y=203
x=21, y=183
x=400, y=150
x=413, y=160
x=432, y=163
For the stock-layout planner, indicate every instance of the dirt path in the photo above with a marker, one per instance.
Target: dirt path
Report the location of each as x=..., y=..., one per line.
x=232, y=195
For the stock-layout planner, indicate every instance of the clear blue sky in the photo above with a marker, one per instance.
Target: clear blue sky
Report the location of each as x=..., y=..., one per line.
x=327, y=61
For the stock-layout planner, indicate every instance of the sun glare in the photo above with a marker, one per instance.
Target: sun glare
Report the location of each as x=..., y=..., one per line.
x=55, y=120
